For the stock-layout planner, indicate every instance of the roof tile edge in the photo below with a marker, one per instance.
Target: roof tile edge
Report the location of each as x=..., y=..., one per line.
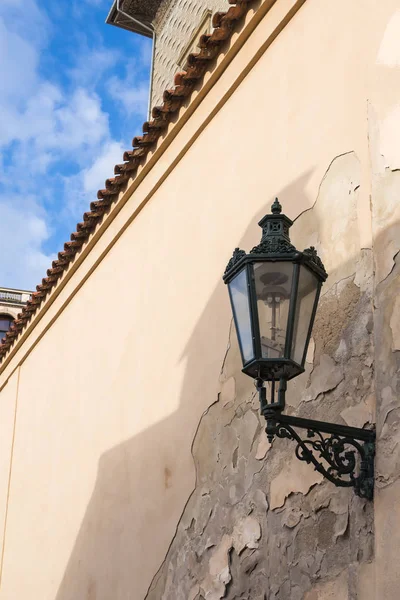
x=185, y=81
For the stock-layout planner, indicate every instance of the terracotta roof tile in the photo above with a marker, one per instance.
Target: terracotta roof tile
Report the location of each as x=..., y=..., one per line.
x=184, y=82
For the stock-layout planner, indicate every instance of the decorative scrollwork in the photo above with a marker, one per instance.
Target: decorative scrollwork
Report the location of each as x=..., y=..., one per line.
x=348, y=463
x=276, y=245
x=236, y=256
x=312, y=255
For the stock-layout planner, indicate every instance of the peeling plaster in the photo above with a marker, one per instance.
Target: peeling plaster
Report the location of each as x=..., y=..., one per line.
x=260, y=523
x=332, y=590
x=326, y=376
x=360, y=414
x=296, y=476
x=263, y=446
x=293, y=517
x=228, y=391
x=246, y=534
x=338, y=239
x=219, y=574
x=395, y=324
x=310, y=351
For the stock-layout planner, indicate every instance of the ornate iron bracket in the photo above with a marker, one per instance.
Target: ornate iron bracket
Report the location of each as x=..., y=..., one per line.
x=345, y=455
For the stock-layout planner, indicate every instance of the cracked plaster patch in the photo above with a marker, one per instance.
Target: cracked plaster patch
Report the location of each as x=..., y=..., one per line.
x=341, y=524
x=248, y=425
x=338, y=239
x=389, y=402
x=310, y=351
x=296, y=476
x=246, y=534
x=307, y=537
x=361, y=413
x=336, y=313
x=364, y=270
x=395, y=324
x=219, y=574
x=263, y=446
x=326, y=376
x=332, y=590
x=293, y=517
x=387, y=510
x=228, y=391
x=194, y=592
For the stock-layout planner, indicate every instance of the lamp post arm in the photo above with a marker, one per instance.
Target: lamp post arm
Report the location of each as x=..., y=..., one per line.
x=345, y=455
x=365, y=435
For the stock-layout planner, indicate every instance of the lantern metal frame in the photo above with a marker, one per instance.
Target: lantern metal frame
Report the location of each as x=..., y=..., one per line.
x=342, y=454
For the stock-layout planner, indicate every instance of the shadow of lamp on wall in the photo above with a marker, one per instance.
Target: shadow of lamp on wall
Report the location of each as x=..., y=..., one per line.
x=274, y=292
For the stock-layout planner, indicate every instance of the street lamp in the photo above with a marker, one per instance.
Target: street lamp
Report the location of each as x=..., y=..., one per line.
x=274, y=292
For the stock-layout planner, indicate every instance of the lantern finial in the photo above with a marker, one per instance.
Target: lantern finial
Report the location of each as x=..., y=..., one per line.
x=276, y=208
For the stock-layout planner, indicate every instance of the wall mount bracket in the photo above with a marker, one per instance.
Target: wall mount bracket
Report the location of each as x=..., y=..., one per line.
x=344, y=455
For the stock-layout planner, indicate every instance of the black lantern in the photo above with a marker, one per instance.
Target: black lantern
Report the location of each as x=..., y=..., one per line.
x=274, y=292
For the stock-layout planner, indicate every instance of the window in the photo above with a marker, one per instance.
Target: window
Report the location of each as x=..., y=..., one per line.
x=5, y=322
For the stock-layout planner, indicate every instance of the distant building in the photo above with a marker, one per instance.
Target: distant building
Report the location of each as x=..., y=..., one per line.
x=175, y=27
x=11, y=303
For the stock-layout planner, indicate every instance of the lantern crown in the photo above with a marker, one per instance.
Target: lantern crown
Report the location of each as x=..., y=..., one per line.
x=276, y=225
x=275, y=243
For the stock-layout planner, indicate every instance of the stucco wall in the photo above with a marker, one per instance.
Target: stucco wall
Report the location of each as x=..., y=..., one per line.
x=139, y=465
x=7, y=418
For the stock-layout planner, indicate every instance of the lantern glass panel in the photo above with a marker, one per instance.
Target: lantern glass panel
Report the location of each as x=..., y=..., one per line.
x=239, y=293
x=306, y=294
x=273, y=282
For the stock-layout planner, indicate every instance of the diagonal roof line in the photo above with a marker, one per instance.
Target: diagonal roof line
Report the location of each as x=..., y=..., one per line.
x=185, y=81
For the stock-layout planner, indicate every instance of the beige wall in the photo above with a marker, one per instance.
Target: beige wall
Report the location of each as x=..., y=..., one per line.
x=102, y=464
x=7, y=421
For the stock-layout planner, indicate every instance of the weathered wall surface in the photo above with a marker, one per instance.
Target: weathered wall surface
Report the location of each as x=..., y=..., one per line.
x=138, y=465
x=7, y=414
x=260, y=524
x=384, y=124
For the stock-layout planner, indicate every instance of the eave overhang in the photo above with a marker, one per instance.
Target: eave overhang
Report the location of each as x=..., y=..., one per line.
x=142, y=11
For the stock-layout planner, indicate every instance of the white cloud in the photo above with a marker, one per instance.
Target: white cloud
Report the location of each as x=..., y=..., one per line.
x=37, y=112
x=92, y=64
x=94, y=176
x=131, y=92
x=79, y=124
x=56, y=148
x=16, y=51
x=41, y=124
x=82, y=188
x=132, y=97
x=24, y=263
x=26, y=18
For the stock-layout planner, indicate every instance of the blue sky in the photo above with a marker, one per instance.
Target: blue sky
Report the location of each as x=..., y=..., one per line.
x=74, y=92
